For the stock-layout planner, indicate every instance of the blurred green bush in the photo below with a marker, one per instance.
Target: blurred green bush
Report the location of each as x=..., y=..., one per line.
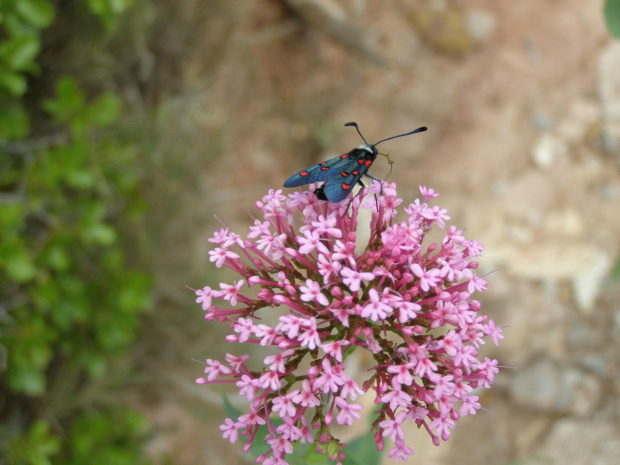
x=69, y=299
x=611, y=11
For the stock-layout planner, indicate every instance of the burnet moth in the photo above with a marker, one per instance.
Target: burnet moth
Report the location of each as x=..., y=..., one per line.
x=343, y=172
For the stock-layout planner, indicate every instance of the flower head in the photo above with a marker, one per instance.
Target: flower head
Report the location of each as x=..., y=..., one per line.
x=404, y=300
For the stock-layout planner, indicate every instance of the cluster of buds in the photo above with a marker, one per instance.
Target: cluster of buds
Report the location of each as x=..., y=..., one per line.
x=405, y=301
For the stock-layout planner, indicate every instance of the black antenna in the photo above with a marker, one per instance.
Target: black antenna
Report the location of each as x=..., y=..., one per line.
x=358, y=130
x=415, y=131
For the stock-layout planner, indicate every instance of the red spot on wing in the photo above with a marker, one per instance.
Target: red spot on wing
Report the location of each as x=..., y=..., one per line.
x=304, y=173
x=368, y=162
x=346, y=187
x=324, y=168
x=346, y=155
x=355, y=173
x=322, y=163
x=344, y=174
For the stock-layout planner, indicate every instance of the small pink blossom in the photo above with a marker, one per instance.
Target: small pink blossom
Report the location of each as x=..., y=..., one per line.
x=230, y=430
x=205, y=296
x=311, y=292
x=428, y=279
x=284, y=406
x=494, y=332
x=347, y=411
x=327, y=226
x=353, y=278
x=376, y=309
x=215, y=369
x=230, y=292
x=220, y=255
x=306, y=396
x=334, y=348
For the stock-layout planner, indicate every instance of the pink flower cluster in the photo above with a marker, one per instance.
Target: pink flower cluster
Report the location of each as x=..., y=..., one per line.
x=405, y=301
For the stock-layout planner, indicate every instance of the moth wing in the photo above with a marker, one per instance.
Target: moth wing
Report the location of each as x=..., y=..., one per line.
x=340, y=184
x=319, y=172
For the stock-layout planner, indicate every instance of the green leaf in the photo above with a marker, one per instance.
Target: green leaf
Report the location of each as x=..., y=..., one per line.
x=133, y=293
x=14, y=121
x=104, y=110
x=83, y=179
x=231, y=411
x=68, y=102
x=36, y=447
x=109, y=11
x=16, y=261
x=99, y=233
x=14, y=83
x=362, y=451
x=615, y=272
x=28, y=380
x=19, y=53
x=38, y=13
x=11, y=217
x=612, y=17
x=56, y=257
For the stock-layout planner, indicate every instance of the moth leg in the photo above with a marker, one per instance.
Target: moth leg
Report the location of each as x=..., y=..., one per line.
x=380, y=188
x=358, y=193
x=380, y=181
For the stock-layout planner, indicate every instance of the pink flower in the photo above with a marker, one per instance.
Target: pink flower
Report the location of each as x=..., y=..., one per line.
x=230, y=292
x=230, y=430
x=220, y=255
x=334, y=348
x=428, y=279
x=215, y=369
x=376, y=309
x=494, y=332
x=309, y=242
x=354, y=279
x=284, y=406
x=311, y=292
x=306, y=397
x=327, y=226
x=394, y=428
x=204, y=296
x=403, y=300
x=347, y=411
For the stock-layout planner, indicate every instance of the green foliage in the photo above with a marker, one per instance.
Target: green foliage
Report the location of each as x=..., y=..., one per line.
x=59, y=248
x=36, y=447
x=70, y=301
x=109, y=10
x=615, y=272
x=612, y=17
x=360, y=451
x=111, y=437
x=22, y=23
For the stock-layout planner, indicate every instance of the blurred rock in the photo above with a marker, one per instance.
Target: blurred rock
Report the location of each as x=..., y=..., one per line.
x=444, y=29
x=480, y=24
x=548, y=386
x=547, y=150
x=609, y=81
x=588, y=283
x=609, y=93
x=581, y=442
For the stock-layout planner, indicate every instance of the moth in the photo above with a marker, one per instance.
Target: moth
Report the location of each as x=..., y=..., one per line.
x=342, y=173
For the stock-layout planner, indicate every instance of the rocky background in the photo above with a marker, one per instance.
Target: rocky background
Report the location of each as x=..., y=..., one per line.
x=522, y=101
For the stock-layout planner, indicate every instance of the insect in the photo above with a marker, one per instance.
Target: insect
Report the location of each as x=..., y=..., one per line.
x=343, y=172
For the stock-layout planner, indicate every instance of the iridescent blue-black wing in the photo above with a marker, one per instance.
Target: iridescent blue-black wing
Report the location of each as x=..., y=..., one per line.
x=340, y=184
x=319, y=172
